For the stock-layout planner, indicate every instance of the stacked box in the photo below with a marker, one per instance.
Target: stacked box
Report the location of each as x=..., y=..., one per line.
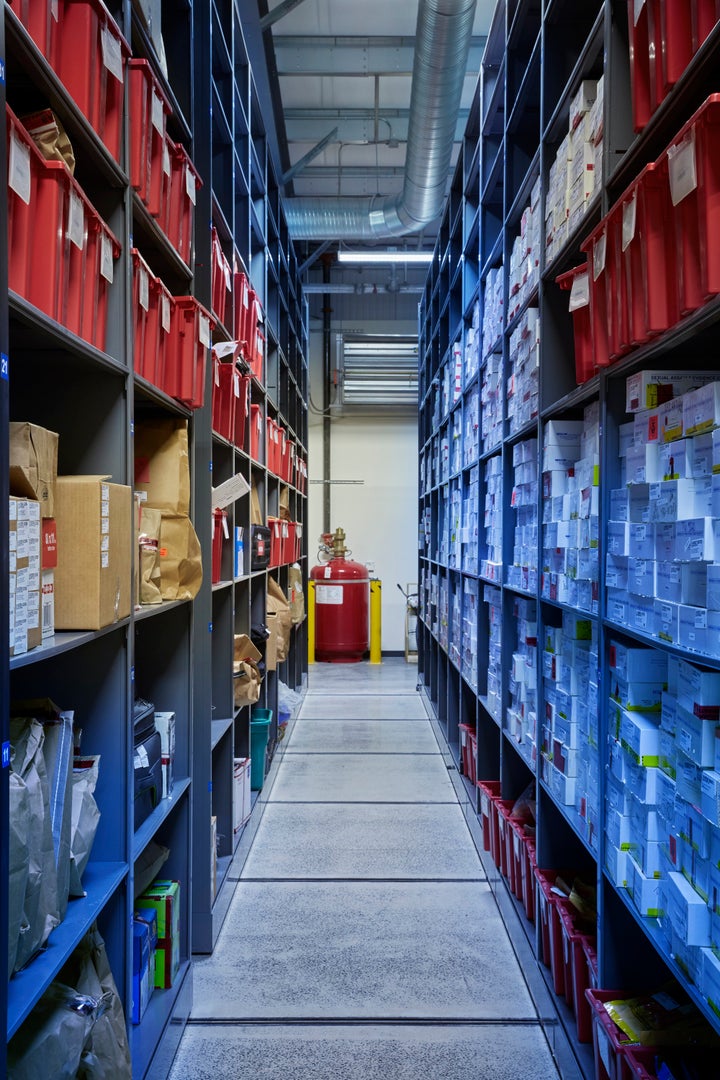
x=473, y=346
x=491, y=566
x=455, y=519
x=663, y=561
x=570, y=721
x=524, y=273
x=456, y=443
x=471, y=521
x=470, y=603
x=493, y=313
x=571, y=511
x=24, y=553
x=521, y=714
x=522, y=574
x=471, y=428
x=522, y=386
x=443, y=609
x=491, y=417
x=455, y=631
x=493, y=602
x=164, y=898
x=576, y=172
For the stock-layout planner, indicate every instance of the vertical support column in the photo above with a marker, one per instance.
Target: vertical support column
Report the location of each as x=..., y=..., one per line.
x=375, y=621
x=311, y=622
x=4, y=565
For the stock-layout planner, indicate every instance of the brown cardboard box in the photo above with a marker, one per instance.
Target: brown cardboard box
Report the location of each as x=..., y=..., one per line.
x=24, y=559
x=33, y=464
x=94, y=532
x=48, y=563
x=279, y=623
x=162, y=465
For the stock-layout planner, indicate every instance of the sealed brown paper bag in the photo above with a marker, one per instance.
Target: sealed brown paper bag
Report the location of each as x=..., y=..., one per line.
x=180, y=559
x=162, y=464
x=150, y=575
x=279, y=624
x=296, y=596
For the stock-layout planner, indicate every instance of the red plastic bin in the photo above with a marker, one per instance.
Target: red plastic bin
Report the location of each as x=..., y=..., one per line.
x=142, y=276
x=186, y=358
x=640, y=75
x=102, y=251
x=276, y=540
x=91, y=58
x=577, y=283
x=226, y=394
x=184, y=183
x=507, y=867
x=584, y=978
x=489, y=790
x=647, y=251
x=159, y=327
x=256, y=431
x=26, y=171
x=693, y=161
x=272, y=439
x=40, y=19
x=705, y=15
x=641, y=1062
x=465, y=751
x=220, y=532
x=221, y=277
x=148, y=109
x=528, y=879
x=547, y=908
x=517, y=836
x=281, y=451
x=674, y=40
x=609, y=1042
x=288, y=465
x=241, y=411
x=289, y=542
x=241, y=301
x=256, y=359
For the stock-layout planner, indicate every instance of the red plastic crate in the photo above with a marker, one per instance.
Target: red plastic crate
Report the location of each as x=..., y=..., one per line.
x=465, y=752
x=184, y=183
x=595, y=247
x=609, y=1042
x=674, y=22
x=241, y=411
x=547, y=908
x=256, y=359
x=158, y=331
x=91, y=58
x=281, y=451
x=142, y=276
x=517, y=835
x=639, y=1062
x=584, y=978
x=241, y=302
x=577, y=283
x=148, y=109
x=249, y=324
x=276, y=540
x=186, y=358
x=102, y=251
x=693, y=161
x=640, y=75
x=289, y=543
x=256, y=431
x=221, y=277
x=40, y=19
x=220, y=532
x=528, y=879
x=504, y=809
x=26, y=170
x=705, y=14
x=575, y=966
x=648, y=256
x=489, y=790
x=226, y=394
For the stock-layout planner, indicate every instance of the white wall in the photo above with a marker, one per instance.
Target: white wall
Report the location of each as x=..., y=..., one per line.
x=379, y=514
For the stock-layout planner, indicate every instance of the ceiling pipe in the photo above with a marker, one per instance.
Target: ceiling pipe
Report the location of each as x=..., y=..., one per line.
x=442, y=44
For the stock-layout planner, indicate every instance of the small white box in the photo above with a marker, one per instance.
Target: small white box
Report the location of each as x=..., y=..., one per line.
x=687, y=911
x=643, y=463
x=710, y=796
x=667, y=621
x=242, y=796
x=665, y=541
x=618, y=830
x=696, y=737
x=638, y=664
x=701, y=409
x=698, y=690
x=675, y=461
x=616, y=574
x=641, y=576
x=645, y=892
x=641, y=540
x=695, y=540
x=617, y=865
x=671, y=420
x=692, y=627
x=640, y=737
x=648, y=389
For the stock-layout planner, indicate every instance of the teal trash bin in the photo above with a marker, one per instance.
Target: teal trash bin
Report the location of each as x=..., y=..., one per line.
x=260, y=721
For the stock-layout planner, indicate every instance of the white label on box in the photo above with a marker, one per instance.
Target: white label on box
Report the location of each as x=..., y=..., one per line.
x=106, y=258
x=629, y=219
x=112, y=53
x=165, y=312
x=599, y=251
x=204, y=331
x=143, y=289
x=328, y=594
x=19, y=178
x=105, y=542
x=190, y=184
x=104, y=560
x=76, y=221
x=157, y=112
x=683, y=171
x=104, y=499
x=105, y=525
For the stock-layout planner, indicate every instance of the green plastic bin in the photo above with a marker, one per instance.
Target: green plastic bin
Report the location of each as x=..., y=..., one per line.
x=260, y=720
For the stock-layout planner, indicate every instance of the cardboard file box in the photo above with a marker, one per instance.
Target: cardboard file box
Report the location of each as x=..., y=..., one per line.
x=33, y=464
x=164, y=898
x=24, y=562
x=94, y=533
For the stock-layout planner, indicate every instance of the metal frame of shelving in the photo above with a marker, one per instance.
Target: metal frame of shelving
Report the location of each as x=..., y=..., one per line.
x=178, y=654
x=535, y=58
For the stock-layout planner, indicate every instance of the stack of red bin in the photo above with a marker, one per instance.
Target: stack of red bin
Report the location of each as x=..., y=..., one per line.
x=149, y=109
x=52, y=224
x=653, y=258
x=230, y=395
x=220, y=532
x=221, y=277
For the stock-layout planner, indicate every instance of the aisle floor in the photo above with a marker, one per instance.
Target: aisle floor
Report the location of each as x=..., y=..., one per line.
x=363, y=939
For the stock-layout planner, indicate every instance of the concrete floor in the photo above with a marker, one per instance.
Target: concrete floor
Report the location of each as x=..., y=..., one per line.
x=363, y=940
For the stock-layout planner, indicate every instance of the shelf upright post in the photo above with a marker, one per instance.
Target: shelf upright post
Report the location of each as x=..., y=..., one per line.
x=4, y=564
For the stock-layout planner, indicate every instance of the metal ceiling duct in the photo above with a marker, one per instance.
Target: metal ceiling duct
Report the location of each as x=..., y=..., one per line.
x=442, y=44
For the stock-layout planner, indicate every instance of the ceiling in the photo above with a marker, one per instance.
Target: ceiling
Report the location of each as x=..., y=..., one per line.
x=343, y=73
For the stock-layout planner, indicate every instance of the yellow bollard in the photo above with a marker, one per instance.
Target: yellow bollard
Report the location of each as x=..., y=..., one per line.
x=311, y=622
x=375, y=621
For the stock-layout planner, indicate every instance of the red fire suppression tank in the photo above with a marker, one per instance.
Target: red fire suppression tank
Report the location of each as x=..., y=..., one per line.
x=342, y=603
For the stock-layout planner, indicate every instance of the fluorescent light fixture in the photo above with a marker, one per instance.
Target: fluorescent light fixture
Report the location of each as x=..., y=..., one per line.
x=423, y=257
